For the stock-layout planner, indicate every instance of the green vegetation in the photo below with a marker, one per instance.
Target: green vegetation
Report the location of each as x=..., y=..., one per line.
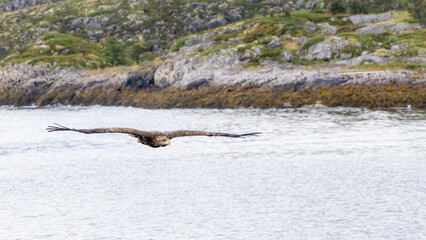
x=357, y=8
x=136, y=52
x=179, y=43
x=337, y=7
x=418, y=10
x=294, y=28
x=114, y=52
x=311, y=17
x=62, y=49
x=367, y=6
x=3, y=53
x=271, y=53
x=67, y=50
x=414, y=41
x=228, y=35
x=262, y=30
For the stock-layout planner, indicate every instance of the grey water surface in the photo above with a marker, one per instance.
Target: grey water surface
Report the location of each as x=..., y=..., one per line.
x=314, y=173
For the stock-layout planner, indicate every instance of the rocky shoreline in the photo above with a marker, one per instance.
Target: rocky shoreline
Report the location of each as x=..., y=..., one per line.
x=269, y=87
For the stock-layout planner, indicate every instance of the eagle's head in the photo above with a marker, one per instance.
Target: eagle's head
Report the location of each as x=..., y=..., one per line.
x=160, y=141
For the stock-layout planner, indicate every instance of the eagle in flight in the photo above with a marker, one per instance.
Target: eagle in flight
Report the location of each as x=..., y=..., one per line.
x=153, y=139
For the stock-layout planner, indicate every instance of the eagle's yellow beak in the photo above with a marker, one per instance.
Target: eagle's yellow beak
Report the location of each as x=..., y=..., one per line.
x=138, y=141
x=168, y=142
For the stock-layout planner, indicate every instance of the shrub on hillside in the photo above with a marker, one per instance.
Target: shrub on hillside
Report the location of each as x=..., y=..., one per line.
x=136, y=51
x=114, y=52
x=337, y=7
x=418, y=9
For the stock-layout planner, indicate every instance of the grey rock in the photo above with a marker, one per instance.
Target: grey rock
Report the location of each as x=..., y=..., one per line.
x=99, y=34
x=399, y=47
x=327, y=49
x=311, y=27
x=364, y=59
x=195, y=25
x=367, y=19
x=402, y=27
x=308, y=57
x=379, y=28
x=203, y=41
x=301, y=40
x=275, y=42
x=90, y=23
x=186, y=71
x=327, y=29
x=375, y=28
x=345, y=56
x=235, y=14
x=245, y=55
x=267, y=63
x=33, y=78
x=258, y=50
x=415, y=60
x=287, y=56
x=286, y=37
x=142, y=78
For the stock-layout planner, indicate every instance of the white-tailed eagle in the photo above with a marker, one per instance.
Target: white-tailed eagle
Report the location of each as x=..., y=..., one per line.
x=153, y=139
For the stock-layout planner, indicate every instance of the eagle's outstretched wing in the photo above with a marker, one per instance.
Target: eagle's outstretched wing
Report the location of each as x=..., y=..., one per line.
x=184, y=133
x=131, y=131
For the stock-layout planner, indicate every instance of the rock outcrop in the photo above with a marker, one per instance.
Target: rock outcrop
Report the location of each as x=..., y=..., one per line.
x=379, y=28
x=224, y=70
x=368, y=19
x=330, y=48
x=32, y=78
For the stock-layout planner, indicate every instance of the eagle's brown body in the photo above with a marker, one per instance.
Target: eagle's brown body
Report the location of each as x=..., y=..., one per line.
x=153, y=139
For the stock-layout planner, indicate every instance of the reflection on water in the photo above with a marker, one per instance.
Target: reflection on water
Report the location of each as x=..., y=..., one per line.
x=314, y=173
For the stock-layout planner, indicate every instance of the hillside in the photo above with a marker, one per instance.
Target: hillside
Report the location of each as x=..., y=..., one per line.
x=153, y=24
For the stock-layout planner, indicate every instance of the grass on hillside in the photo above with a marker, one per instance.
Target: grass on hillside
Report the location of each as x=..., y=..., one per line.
x=62, y=49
